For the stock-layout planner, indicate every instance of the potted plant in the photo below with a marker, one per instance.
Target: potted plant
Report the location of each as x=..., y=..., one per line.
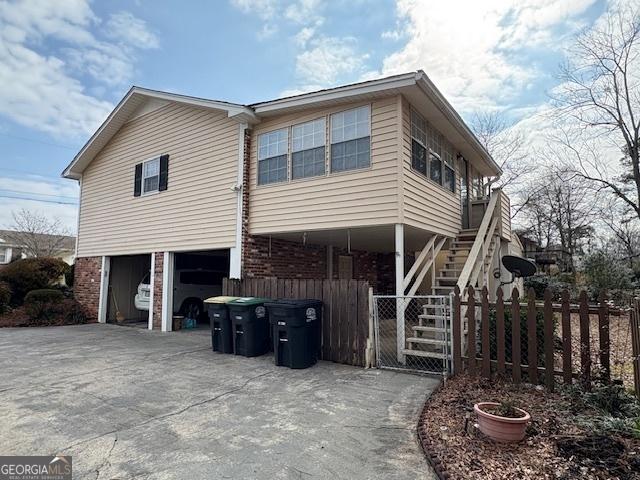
x=502, y=422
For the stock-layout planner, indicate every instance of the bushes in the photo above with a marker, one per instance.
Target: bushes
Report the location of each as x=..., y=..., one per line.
x=5, y=296
x=31, y=274
x=43, y=304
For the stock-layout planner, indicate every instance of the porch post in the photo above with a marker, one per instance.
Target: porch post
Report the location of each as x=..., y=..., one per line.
x=152, y=276
x=400, y=301
x=103, y=300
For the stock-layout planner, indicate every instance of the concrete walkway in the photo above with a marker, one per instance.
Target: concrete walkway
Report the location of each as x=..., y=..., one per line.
x=129, y=403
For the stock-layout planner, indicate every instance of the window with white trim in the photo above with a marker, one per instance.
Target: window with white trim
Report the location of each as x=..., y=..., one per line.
x=449, y=178
x=351, y=139
x=307, y=149
x=272, y=156
x=435, y=159
x=419, y=145
x=3, y=255
x=151, y=175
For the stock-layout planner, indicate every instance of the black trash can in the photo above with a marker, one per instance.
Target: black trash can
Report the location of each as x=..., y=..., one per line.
x=296, y=331
x=249, y=326
x=221, y=336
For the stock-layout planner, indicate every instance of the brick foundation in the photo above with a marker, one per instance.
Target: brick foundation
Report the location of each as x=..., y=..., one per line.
x=157, y=291
x=86, y=284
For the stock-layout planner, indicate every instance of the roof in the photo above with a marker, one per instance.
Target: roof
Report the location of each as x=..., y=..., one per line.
x=415, y=86
x=68, y=243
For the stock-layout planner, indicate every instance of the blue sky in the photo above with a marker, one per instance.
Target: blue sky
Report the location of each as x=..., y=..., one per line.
x=64, y=65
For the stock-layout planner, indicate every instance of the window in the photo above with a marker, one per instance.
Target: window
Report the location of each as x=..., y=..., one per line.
x=3, y=255
x=418, y=143
x=307, y=147
x=435, y=161
x=272, y=156
x=449, y=170
x=350, y=139
x=151, y=175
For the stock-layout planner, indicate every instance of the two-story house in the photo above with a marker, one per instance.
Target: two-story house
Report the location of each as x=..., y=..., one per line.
x=380, y=180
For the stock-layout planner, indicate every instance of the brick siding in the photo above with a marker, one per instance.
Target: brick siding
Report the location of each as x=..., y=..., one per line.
x=157, y=291
x=86, y=284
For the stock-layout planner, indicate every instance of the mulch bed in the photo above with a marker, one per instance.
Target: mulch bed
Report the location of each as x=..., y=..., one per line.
x=557, y=445
x=17, y=317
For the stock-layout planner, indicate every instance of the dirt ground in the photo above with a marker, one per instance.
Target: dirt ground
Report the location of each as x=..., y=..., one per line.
x=558, y=444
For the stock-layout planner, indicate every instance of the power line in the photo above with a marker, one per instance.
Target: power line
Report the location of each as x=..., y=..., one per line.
x=43, y=142
x=38, y=200
x=39, y=194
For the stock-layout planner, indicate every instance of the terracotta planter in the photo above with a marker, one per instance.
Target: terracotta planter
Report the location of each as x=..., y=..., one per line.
x=501, y=429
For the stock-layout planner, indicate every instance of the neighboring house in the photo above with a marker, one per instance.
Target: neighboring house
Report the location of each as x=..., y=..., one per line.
x=11, y=248
x=380, y=181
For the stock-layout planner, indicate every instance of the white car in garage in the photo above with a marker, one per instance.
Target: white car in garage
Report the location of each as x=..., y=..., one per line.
x=190, y=288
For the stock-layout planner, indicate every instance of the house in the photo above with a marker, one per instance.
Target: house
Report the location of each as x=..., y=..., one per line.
x=16, y=245
x=380, y=180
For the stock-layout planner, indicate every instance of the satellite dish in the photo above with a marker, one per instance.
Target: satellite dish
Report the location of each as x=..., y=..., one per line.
x=519, y=266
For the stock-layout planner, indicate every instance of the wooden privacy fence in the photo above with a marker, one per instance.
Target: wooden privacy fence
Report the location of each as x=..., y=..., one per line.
x=635, y=340
x=550, y=341
x=345, y=315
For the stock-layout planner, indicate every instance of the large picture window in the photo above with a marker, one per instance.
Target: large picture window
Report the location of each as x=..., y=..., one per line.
x=307, y=149
x=449, y=181
x=272, y=156
x=419, y=143
x=350, y=139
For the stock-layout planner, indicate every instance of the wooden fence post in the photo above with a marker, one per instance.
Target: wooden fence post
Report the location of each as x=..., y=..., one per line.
x=585, y=350
x=549, y=338
x=532, y=338
x=567, y=365
x=457, y=332
x=486, y=350
x=515, y=337
x=500, y=333
x=635, y=343
x=471, y=334
x=603, y=337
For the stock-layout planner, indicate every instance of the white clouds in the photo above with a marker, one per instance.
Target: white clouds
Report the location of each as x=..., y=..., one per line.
x=44, y=91
x=39, y=187
x=473, y=50
x=328, y=59
x=123, y=27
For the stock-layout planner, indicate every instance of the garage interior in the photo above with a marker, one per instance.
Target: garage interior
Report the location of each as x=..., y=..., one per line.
x=126, y=273
x=196, y=277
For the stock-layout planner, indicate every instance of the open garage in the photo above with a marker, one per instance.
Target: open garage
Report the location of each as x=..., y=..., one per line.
x=127, y=273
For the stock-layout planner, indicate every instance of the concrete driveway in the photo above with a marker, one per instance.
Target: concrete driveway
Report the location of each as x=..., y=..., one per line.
x=129, y=403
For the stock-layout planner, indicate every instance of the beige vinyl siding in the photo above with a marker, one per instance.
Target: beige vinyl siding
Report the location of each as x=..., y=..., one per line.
x=336, y=200
x=198, y=209
x=505, y=216
x=426, y=204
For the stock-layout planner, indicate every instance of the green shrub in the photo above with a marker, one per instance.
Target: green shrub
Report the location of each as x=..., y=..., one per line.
x=31, y=274
x=524, y=335
x=606, y=273
x=43, y=304
x=69, y=275
x=5, y=296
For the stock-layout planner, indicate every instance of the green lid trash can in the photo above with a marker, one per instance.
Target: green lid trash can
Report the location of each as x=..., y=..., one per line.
x=296, y=331
x=221, y=336
x=249, y=326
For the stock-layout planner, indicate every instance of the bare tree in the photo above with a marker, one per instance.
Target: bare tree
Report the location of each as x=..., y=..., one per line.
x=506, y=145
x=36, y=234
x=561, y=212
x=624, y=230
x=599, y=97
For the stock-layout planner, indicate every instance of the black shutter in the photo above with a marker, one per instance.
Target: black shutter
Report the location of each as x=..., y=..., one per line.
x=164, y=172
x=137, y=181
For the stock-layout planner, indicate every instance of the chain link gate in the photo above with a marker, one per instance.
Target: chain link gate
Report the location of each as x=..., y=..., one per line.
x=413, y=333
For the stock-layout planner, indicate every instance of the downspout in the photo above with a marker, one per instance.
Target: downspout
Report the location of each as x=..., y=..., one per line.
x=235, y=257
